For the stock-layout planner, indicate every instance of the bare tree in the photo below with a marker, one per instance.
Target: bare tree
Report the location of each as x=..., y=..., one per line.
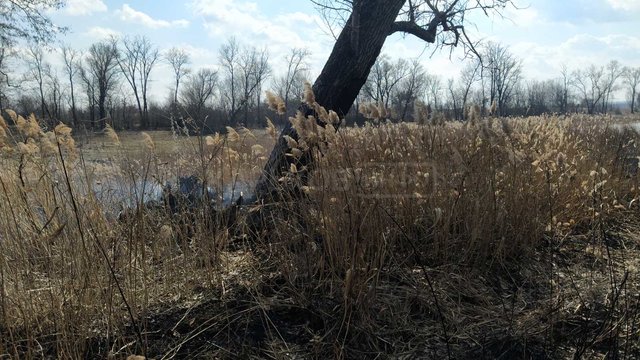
x=254, y=67
x=559, y=95
x=178, y=59
x=383, y=80
x=562, y=96
x=54, y=95
x=433, y=85
x=538, y=96
x=612, y=72
x=90, y=88
x=470, y=74
x=244, y=71
x=455, y=99
x=367, y=24
x=589, y=84
x=28, y=20
x=502, y=73
x=198, y=89
x=137, y=59
x=71, y=68
x=229, y=56
x=411, y=88
x=101, y=73
x=38, y=70
x=297, y=67
x=261, y=71
x=632, y=80
x=247, y=63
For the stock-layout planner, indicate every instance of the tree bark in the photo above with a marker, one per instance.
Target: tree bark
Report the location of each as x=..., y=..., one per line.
x=341, y=79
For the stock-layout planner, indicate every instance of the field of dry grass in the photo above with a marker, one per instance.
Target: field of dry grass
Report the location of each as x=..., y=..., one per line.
x=498, y=238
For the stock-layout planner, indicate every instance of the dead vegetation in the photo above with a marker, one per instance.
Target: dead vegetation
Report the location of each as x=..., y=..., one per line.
x=501, y=238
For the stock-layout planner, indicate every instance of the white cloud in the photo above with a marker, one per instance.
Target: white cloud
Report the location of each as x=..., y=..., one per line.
x=625, y=5
x=84, y=7
x=129, y=14
x=543, y=61
x=525, y=17
x=245, y=21
x=101, y=33
x=201, y=56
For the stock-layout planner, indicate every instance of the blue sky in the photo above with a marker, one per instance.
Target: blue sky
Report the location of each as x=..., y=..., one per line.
x=545, y=33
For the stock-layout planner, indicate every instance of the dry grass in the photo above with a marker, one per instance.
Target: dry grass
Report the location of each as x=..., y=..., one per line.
x=512, y=238
x=477, y=237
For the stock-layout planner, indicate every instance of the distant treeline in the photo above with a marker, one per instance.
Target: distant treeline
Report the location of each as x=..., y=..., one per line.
x=110, y=81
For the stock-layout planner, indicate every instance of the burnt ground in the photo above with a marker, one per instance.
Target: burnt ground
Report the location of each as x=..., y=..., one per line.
x=577, y=297
x=574, y=298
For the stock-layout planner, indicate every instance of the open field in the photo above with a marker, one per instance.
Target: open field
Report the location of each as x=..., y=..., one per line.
x=498, y=238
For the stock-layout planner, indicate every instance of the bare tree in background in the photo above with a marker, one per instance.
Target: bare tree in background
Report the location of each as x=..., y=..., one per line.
x=244, y=69
x=102, y=73
x=367, y=24
x=538, y=94
x=384, y=79
x=28, y=20
x=557, y=96
x=38, y=70
x=137, y=59
x=261, y=72
x=561, y=96
x=612, y=72
x=588, y=83
x=291, y=82
x=631, y=78
x=433, y=87
x=470, y=74
x=502, y=72
x=253, y=66
x=455, y=99
x=71, y=60
x=247, y=63
x=229, y=55
x=90, y=88
x=54, y=95
x=411, y=88
x=197, y=90
x=178, y=59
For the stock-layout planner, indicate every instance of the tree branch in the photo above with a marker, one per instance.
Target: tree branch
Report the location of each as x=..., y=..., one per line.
x=409, y=27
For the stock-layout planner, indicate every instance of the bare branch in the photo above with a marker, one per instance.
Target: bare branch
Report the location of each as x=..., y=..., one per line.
x=428, y=35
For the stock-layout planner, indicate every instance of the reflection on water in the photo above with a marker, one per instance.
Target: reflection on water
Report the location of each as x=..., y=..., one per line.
x=118, y=194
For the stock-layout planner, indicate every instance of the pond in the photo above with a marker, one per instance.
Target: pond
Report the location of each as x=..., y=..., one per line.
x=119, y=195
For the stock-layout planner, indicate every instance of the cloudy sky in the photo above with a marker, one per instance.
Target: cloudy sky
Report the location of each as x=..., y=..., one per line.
x=545, y=34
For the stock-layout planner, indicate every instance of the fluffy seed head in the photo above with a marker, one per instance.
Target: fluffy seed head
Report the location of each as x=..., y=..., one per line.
x=309, y=96
x=111, y=134
x=28, y=127
x=213, y=141
x=232, y=135
x=271, y=130
x=291, y=142
x=276, y=103
x=3, y=124
x=12, y=115
x=148, y=141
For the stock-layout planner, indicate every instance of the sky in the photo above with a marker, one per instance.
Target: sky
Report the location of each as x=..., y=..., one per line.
x=545, y=34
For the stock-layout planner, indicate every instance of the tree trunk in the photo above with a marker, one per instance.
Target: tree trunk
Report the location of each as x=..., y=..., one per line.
x=341, y=79
x=74, y=112
x=102, y=110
